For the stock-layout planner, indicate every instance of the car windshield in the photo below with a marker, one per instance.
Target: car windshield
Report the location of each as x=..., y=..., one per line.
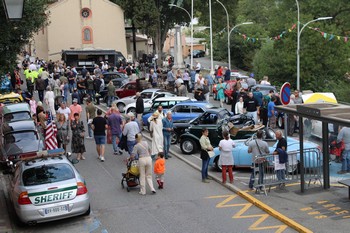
x=17, y=116
x=47, y=174
x=19, y=137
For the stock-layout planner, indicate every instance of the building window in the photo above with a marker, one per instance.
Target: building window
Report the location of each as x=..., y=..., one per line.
x=86, y=13
x=87, y=35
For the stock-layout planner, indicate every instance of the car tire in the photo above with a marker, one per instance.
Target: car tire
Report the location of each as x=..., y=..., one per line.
x=280, y=122
x=121, y=107
x=188, y=146
x=133, y=110
x=87, y=213
x=174, y=138
x=218, y=167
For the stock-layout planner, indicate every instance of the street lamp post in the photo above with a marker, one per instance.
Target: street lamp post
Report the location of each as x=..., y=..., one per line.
x=228, y=35
x=298, y=46
x=191, y=18
x=211, y=40
x=13, y=9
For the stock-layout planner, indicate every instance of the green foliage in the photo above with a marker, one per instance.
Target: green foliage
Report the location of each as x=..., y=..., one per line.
x=15, y=34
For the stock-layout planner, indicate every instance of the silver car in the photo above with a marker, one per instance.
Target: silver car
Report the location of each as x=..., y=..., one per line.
x=47, y=189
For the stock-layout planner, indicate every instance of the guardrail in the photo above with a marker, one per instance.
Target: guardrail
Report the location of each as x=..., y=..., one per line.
x=266, y=175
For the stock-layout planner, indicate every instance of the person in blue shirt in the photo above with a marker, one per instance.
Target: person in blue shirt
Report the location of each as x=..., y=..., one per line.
x=258, y=96
x=271, y=113
x=168, y=128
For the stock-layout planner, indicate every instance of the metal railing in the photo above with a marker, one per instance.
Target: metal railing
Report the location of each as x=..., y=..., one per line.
x=266, y=175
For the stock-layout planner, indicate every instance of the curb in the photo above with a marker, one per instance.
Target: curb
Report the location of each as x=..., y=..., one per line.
x=289, y=222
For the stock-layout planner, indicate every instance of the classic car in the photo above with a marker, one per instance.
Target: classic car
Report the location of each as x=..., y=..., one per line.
x=244, y=159
x=264, y=89
x=47, y=188
x=117, y=82
x=16, y=112
x=209, y=118
x=20, y=138
x=128, y=104
x=166, y=103
x=189, y=141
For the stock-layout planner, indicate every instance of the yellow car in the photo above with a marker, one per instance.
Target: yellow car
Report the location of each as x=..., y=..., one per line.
x=10, y=98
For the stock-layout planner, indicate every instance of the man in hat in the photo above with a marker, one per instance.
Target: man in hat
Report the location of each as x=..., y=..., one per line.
x=75, y=108
x=130, y=130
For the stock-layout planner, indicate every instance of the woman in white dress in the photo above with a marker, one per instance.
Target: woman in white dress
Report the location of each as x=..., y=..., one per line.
x=156, y=128
x=50, y=100
x=226, y=146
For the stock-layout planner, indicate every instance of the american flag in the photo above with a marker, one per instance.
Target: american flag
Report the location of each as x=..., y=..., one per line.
x=50, y=133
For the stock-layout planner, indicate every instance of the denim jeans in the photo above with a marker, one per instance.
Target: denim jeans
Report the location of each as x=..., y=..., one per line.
x=261, y=175
x=110, y=100
x=205, y=165
x=254, y=115
x=167, y=142
x=346, y=161
x=114, y=142
x=130, y=145
x=90, y=131
x=91, y=93
x=281, y=174
x=72, y=86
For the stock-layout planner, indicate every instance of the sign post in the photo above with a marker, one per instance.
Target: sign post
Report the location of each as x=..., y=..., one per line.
x=285, y=99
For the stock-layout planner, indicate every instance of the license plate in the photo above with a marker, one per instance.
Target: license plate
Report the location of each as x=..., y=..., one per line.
x=57, y=209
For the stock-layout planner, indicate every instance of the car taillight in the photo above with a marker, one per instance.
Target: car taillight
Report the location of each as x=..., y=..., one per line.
x=23, y=199
x=81, y=188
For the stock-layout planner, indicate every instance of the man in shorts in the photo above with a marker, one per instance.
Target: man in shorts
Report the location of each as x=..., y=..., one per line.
x=99, y=126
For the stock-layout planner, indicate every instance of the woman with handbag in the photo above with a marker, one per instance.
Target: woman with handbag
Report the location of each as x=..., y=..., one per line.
x=206, y=148
x=78, y=132
x=143, y=152
x=62, y=132
x=156, y=130
x=226, y=146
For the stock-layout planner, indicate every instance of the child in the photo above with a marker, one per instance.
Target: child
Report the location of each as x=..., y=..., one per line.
x=159, y=169
x=33, y=105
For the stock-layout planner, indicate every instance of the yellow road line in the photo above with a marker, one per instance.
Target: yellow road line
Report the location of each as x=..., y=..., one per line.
x=244, y=208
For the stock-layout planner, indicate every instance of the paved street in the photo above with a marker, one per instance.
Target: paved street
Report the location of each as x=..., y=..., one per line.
x=185, y=205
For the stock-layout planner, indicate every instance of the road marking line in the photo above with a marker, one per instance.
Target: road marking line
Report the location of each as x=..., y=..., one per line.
x=245, y=207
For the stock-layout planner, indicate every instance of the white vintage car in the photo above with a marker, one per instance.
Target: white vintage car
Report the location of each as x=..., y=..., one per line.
x=319, y=97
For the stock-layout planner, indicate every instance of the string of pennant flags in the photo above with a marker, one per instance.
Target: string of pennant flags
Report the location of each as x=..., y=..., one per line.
x=325, y=35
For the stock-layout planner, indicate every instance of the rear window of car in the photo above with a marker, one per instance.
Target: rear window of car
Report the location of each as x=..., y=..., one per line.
x=20, y=136
x=17, y=116
x=47, y=174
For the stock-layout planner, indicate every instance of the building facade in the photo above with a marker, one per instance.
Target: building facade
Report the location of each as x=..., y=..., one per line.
x=80, y=25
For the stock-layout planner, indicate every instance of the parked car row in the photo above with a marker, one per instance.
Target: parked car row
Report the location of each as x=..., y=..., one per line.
x=45, y=185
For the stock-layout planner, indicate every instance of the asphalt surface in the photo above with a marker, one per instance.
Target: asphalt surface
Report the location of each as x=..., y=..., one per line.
x=184, y=205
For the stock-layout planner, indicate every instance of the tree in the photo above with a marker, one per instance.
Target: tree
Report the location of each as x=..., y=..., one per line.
x=16, y=34
x=155, y=17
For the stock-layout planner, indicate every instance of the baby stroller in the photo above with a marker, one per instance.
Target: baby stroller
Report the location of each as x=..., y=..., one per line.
x=131, y=177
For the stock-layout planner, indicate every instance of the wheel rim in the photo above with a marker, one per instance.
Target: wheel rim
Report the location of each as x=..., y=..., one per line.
x=173, y=138
x=121, y=107
x=133, y=110
x=280, y=122
x=187, y=146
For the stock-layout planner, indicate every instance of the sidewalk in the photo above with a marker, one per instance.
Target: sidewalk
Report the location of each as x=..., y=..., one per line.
x=5, y=224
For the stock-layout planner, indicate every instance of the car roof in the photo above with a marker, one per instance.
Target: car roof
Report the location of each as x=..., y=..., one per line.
x=215, y=110
x=180, y=98
x=19, y=107
x=17, y=126
x=151, y=90
x=196, y=103
x=264, y=86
